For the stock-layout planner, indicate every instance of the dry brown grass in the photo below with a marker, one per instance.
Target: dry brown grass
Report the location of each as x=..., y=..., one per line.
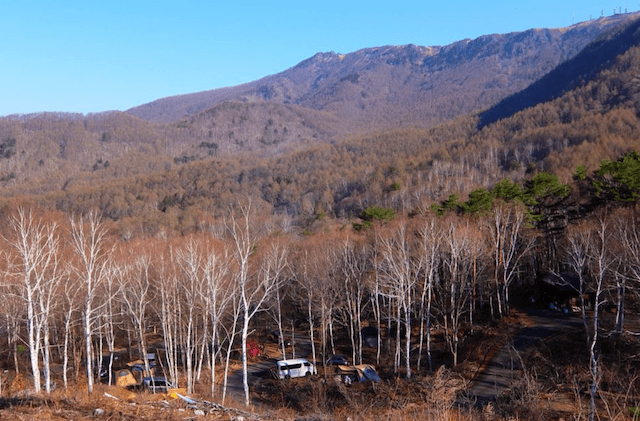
x=428, y=398
x=114, y=403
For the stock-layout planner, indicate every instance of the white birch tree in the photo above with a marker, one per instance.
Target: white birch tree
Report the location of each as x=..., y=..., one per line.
x=457, y=259
x=430, y=238
x=88, y=239
x=137, y=293
x=219, y=293
x=254, y=290
x=600, y=266
x=36, y=267
x=400, y=279
x=589, y=251
x=509, y=246
x=170, y=318
x=192, y=289
x=71, y=292
x=353, y=263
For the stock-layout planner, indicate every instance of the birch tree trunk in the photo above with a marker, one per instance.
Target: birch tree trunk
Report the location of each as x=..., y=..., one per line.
x=36, y=248
x=400, y=276
x=601, y=260
x=253, y=292
x=430, y=237
x=89, y=243
x=219, y=292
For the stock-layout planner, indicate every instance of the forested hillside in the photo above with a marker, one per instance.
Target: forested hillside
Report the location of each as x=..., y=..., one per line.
x=327, y=98
x=52, y=151
x=569, y=74
x=429, y=288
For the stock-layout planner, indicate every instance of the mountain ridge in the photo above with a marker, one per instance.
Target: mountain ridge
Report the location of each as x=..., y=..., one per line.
x=365, y=86
x=327, y=99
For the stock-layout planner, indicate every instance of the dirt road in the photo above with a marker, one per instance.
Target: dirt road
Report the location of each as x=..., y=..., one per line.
x=503, y=365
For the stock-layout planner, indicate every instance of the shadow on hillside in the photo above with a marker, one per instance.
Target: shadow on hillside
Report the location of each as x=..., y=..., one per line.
x=575, y=72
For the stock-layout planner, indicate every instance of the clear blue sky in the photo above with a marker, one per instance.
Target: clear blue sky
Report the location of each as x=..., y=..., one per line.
x=91, y=56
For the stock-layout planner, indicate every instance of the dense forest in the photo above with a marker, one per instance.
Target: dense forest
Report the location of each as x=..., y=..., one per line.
x=422, y=283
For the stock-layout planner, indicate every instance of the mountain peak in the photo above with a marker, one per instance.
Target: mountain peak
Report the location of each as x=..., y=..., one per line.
x=319, y=59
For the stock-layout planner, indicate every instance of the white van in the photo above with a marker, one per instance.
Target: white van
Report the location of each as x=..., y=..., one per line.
x=298, y=367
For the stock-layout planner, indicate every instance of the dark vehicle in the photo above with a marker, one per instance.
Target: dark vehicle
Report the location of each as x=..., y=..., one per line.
x=337, y=360
x=103, y=365
x=157, y=384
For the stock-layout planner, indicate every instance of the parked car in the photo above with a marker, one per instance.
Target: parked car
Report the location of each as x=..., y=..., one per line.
x=357, y=373
x=157, y=384
x=299, y=367
x=337, y=360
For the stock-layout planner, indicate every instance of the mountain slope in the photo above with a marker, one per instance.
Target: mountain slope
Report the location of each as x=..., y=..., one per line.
x=328, y=98
x=578, y=70
x=50, y=151
x=392, y=86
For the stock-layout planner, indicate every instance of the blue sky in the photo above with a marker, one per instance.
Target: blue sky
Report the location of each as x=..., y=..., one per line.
x=91, y=56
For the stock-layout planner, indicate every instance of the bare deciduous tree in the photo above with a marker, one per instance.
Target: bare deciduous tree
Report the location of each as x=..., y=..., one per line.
x=37, y=269
x=457, y=259
x=170, y=318
x=71, y=291
x=311, y=272
x=627, y=233
x=254, y=290
x=601, y=261
x=274, y=263
x=219, y=292
x=136, y=292
x=400, y=278
x=509, y=246
x=353, y=264
x=191, y=289
x=430, y=238
x=93, y=260
x=590, y=244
